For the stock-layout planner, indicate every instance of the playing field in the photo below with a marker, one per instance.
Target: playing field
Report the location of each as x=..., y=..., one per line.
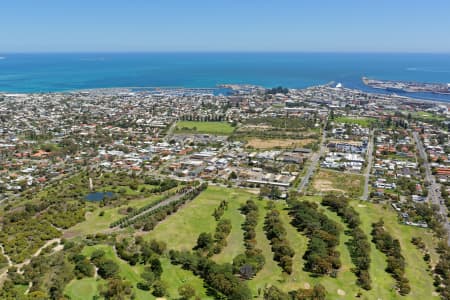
x=218, y=128
x=364, y=122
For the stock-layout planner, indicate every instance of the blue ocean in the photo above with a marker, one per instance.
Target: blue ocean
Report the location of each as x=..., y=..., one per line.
x=72, y=71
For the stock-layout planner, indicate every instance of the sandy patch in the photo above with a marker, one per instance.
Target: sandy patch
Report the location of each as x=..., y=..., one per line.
x=340, y=292
x=273, y=143
x=324, y=185
x=362, y=205
x=253, y=191
x=58, y=248
x=306, y=286
x=354, y=143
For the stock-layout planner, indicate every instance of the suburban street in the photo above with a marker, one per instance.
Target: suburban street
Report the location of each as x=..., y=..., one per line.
x=369, y=156
x=434, y=188
x=170, y=131
x=314, y=161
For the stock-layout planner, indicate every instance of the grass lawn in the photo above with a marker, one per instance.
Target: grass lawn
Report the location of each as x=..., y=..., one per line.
x=426, y=116
x=416, y=269
x=85, y=288
x=271, y=273
x=235, y=244
x=364, y=122
x=181, y=230
x=174, y=276
x=219, y=128
x=382, y=282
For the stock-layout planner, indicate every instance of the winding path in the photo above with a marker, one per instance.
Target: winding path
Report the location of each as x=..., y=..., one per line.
x=20, y=266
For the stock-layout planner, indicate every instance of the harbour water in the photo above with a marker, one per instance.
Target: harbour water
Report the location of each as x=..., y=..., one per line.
x=23, y=73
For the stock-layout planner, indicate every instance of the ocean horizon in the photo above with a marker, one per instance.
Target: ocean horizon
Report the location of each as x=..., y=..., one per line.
x=59, y=72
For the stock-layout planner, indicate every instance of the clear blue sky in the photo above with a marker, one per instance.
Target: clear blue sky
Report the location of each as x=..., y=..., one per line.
x=225, y=25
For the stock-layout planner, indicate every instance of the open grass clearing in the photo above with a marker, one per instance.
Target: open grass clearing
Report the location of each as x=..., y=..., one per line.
x=219, y=128
x=181, y=230
x=235, y=244
x=361, y=121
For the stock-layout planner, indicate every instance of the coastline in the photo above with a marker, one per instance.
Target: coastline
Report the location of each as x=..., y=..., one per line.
x=220, y=87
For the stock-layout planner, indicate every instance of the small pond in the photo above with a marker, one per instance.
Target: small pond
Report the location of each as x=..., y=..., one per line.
x=98, y=196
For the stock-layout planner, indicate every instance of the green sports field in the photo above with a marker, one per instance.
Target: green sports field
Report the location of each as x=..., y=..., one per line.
x=218, y=128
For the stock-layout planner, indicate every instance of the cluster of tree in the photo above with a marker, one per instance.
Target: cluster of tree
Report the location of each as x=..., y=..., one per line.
x=106, y=268
x=420, y=244
x=117, y=288
x=136, y=212
x=151, y=279
x=272, y=192
x=148, y=218
x=252, y=261
x=83, y=267
x=219, y=277
x=276, y=234
x=407, y=185
x=204, y=118
x=396, y=122
x=321, y=257
x=318, y=292
x=429, y=214
x=358, y=245
x=138, y=251
x=395, y=260
x=161, y=185
x=277, y=90
x=65, y=215
x=442, y=270
x=3, y=261
x=16, y=230
x=47, y=274
x=219, y=211
x=59, y=205
x=207, y=243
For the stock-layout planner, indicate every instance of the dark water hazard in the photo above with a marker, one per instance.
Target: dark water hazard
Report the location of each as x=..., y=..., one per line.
x=98, y=196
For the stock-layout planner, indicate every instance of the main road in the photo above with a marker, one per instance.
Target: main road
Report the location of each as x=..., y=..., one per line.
x=314, y=160
x=365, y=195
x=434, y=188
